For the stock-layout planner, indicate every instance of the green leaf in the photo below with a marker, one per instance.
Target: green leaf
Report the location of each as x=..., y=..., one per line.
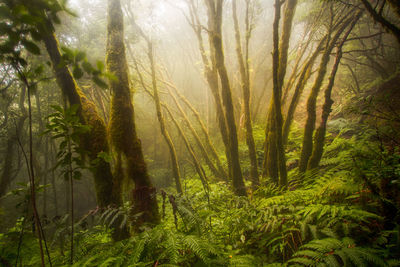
x=100, y=82
x=77, y=72
x=31, y=47
x=87, y=67
x=105, y=156
x=80, y=56
x=100, y=65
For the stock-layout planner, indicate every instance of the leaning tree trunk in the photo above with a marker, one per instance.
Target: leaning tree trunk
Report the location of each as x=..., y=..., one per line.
x=213, y=169
x=305, y=75
x=312, y=99
x=122, y=127
x=378, y=17
x=215, y=17
x=211, y=75
x=318, y=147
x=95, y=141
x=245, y=78
x=210, y=145
x=168, y=140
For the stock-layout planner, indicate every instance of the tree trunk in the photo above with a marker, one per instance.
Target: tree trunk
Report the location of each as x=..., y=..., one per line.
x=319, y=138
x=275, y=162
x=215, y=17
x=307, y=146
x=213, y=169
x=305, y=75
x=196, y=162
x=95, y=141
x=211, y=75
x=205, y=132
x=245, y=78
x=168, y=140
x=277, y=97
x=122, y=127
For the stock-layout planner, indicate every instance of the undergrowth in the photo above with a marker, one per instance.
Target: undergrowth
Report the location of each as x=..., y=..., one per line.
x=328, y=217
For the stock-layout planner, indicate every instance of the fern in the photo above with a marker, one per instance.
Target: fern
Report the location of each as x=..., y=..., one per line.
x=335, y=252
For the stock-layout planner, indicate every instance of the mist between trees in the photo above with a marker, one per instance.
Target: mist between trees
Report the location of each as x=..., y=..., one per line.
x=199, y=133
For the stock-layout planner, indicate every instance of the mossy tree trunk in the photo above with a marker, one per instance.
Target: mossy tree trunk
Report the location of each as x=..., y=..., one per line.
x=160, y=116
x=211, y=75
x=95, y=141
x=245, y=84
x=307, y=146
x=305, y=75
x=277, y=96
x=214, y=8
x=275, y=161
x=319, y=138
x=122, y=127
x=270, y=168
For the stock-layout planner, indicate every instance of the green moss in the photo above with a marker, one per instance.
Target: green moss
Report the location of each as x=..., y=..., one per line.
x=121, y=127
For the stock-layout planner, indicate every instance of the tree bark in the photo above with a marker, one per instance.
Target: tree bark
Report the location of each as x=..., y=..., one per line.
x=245, y=84
x=215, y=19
x=319, y=139
x=307, y=145
x=305, y=75
x=95, y=141
x=211, y=75
x=122, y=127
x=277, y=97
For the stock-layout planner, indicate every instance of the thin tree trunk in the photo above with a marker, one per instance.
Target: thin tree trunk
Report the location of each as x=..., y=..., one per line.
x=318, y=147
x=204, y=130
x=215, y=17
x=213, y=169
x=196, y=162
x=245, y=83
x=211, y=75
x=307, y=146
x=168, y=140
x=305, y=75
x=122, y=124
x=381, y=20
x=277, y=97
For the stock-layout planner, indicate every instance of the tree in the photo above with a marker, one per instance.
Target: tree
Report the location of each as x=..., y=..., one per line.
x=214, y=8
x=319, y=138
x=307, y=144
x=274, y=146
x=122, y=127
x=211, y=75
x=245, y=83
